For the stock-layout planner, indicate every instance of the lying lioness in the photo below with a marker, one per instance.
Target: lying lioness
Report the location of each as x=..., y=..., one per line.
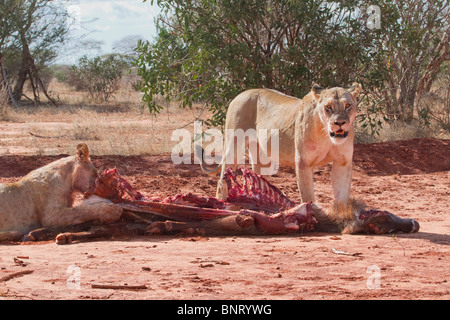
x=313, y=131
x=44, y=197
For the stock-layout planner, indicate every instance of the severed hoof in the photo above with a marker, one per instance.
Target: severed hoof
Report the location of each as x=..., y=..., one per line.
x=158, y=227
x=63, y=238
x=28, y=238
x=11, y=236
x=41, y=234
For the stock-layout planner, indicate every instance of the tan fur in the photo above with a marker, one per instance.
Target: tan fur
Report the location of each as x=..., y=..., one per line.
x=304, y=127
x=346, y=215
x=44, y=197
x=339, y=218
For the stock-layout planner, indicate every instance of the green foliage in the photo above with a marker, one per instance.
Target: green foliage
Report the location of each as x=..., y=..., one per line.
x=371, y=119
x=208, y=51
x=100, y=75
x=61, y=73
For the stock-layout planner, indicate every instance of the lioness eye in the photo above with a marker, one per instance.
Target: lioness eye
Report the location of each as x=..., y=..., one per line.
x=328, y=107
x=348, y=106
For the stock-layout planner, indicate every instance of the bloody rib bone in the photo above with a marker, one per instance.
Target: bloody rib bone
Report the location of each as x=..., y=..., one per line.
x=255, y=191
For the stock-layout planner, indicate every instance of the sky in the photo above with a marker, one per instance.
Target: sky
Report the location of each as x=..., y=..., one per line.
x=108, y=21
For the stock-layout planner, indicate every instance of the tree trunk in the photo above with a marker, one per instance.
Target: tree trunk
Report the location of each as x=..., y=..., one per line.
x=29, y=68
x=22, y=77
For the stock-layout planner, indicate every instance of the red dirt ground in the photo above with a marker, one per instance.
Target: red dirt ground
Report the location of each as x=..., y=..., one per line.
x=408, y=178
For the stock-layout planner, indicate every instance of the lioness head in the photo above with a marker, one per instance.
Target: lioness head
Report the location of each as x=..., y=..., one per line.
x=337, y=109
x=84, y=173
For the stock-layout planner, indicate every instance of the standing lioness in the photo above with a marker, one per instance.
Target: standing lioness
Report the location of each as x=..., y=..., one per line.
x=313, y=131
x=44, y=197
x=324, y=133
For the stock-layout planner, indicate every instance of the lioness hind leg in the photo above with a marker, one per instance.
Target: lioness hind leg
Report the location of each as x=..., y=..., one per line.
x=253, y=156
x=221, y=184
x=222, y=188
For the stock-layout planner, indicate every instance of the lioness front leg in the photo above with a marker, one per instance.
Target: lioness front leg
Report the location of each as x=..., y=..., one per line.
x=305, y=181
x=341, y=178
x=94, y=208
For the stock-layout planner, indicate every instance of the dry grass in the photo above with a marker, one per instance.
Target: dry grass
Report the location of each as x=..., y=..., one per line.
x=121, y=126
x=400, y=131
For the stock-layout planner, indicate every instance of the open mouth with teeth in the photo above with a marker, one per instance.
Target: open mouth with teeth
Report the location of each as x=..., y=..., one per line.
x=339, y=134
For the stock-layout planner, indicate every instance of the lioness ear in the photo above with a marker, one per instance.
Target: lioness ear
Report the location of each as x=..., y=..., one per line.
x=83, y=151
x=316, y=91
x=355, y=89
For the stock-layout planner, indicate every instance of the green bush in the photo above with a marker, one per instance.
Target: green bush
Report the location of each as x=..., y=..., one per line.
x=100, y=76
x=210, y=51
